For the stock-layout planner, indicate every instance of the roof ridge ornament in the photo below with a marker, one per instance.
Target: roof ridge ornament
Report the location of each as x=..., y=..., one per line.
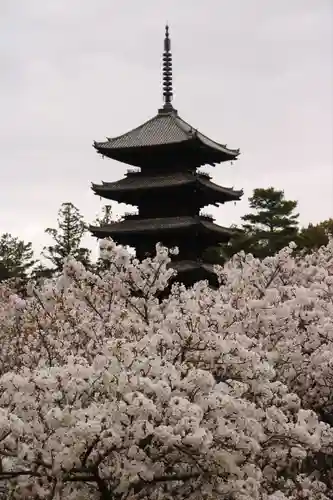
x=167, y=74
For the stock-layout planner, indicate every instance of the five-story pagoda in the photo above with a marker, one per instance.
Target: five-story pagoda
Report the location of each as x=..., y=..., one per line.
x=167, y=188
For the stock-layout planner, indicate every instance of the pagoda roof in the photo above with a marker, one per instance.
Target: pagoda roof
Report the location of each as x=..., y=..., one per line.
x=165, y=137
x=182, y=266
x=166, y=129
x=158, y=226
x=189, y=271
x=139, y=182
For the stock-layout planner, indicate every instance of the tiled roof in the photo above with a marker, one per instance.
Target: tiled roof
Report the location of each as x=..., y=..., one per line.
x=211, y=226
x=146, y=225
x=139, y=181
x=188, y=265
x=161, y=129
x=164, y=128
x=191, y=271
x=158, y=224
x=235, y=194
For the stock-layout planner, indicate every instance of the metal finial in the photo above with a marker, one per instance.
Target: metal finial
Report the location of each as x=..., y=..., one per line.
x=167, y=71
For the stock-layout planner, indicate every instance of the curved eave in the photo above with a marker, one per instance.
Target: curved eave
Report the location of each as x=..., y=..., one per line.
x=205, y=141
x=211, y=227
x=165, y=133
x=130, y=231
x=132, y=193
x=139, y=156
x=220, y=192
x=216, y=149
x=106, y=147
x=189, y=265
x=191, y=271
x=141, y=184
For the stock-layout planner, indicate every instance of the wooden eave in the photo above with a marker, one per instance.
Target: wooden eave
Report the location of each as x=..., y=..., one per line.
x=136, y=227
x=136, y=185
x=165, y=132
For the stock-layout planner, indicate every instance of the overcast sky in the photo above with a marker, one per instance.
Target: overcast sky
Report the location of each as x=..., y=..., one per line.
x=254, y=74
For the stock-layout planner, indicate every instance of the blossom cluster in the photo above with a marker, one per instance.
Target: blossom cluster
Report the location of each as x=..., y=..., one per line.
x=108, y=391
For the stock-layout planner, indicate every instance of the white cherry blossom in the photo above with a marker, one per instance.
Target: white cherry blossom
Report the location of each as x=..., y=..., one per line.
x=108, y=392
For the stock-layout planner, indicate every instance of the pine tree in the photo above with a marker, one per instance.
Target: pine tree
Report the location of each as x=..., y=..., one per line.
x=67, y=237
x=105, y=218
x=271, y=226
x=16, y=258
x=315, y=235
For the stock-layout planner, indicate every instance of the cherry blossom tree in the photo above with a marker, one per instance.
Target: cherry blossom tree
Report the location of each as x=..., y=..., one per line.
x=109, y=393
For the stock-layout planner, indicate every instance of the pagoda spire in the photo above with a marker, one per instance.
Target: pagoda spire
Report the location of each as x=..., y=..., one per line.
x=167, y=71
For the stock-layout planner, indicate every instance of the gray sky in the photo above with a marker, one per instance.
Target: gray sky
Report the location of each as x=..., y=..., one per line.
x=254, y=74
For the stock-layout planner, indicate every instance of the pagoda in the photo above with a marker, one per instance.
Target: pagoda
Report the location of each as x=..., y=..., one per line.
x=167, y=187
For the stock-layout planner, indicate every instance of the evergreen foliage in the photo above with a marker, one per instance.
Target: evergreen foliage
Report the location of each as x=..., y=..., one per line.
x=273, y=223
x=315, y=235
x=16, y=257
x=67, y=238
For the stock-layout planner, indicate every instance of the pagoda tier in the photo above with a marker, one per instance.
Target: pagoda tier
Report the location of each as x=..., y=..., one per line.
x=167, y=189
x=136, y=187
x=190, y=271
x=165, y=142
x=192, y=234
